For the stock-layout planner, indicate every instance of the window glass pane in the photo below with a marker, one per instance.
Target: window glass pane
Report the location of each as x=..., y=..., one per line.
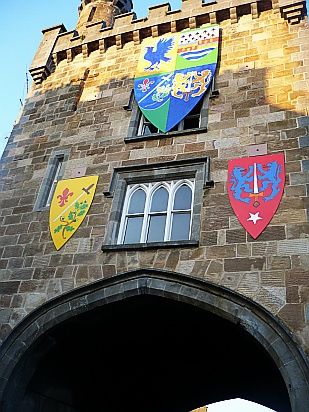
x=51, y=193
x=181, y=226
x=137, y=202
x=191, y=123
x=175, y=128
x=156, y=228
x=149, y=129
x=159, y=200
x=133, y=230
x=183, y=198
x=196, y=109
x=58, y=166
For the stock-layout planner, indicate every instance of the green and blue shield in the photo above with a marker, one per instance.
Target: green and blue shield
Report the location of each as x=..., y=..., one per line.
x=173, y=73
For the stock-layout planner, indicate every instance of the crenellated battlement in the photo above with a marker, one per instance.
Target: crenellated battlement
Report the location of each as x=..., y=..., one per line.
x=58, y=44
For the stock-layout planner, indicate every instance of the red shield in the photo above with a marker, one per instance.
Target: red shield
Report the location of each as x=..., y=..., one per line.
x=255, y=187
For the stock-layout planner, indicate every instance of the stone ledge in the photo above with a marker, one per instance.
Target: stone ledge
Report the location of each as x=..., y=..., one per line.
x=153, y=245
x=164, y=135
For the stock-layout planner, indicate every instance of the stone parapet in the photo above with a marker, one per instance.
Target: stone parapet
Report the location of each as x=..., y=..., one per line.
x=96, y=36
x=42, y=64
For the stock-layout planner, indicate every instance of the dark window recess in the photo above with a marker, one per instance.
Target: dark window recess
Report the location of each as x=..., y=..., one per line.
x=191, y=121
x=55, y=179
x=92, y=13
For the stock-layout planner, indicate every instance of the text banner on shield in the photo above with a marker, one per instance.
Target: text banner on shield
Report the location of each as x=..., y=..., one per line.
x=255, y=188
x=70, y=204
x=173, y=73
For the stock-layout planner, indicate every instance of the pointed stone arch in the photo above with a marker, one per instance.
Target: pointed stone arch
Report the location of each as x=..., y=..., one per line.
x=23, y=350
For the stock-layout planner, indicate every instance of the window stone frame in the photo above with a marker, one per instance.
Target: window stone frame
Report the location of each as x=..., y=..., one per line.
x=197, y=168
x=48, y=179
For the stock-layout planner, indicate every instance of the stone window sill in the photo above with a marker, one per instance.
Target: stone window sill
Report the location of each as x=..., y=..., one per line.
x=164, y=135
x=152, y=245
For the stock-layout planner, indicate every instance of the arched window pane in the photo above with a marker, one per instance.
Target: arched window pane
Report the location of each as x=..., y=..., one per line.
x=183, y=198
x=137, y=202
x=181, y=226
x=133, y=230
x=159, y=200
x=156, y=228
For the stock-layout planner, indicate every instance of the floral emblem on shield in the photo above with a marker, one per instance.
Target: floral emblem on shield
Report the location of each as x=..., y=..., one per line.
x=70, y=204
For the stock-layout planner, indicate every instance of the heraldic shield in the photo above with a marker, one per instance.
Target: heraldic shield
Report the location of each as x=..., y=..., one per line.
x=71, y=202
x=255, y=188
x=173, y=73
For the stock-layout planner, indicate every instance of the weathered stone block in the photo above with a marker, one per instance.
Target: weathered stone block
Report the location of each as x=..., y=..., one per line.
x=235, y=236
x=5, y=315
x=264, y=248
x=278, y=262
x=221, y=252
x=293, y=247
x=12, y=251
x=270, y=233
x=9, y=287
x=293, y=314
x=244, y=264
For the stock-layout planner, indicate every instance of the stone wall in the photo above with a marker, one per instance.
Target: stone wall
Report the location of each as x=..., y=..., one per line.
x=78, y=105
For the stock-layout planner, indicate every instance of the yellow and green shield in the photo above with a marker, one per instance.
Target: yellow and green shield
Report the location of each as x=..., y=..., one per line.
x=71, y=202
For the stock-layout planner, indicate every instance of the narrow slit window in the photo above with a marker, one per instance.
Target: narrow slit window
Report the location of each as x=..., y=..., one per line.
x=54, y=172
x=91, y=14
x=55, y=180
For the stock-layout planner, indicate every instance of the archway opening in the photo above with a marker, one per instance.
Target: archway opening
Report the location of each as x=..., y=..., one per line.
x=149, y=353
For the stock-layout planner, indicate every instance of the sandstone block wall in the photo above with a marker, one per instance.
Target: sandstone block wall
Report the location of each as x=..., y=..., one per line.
x=263, y=84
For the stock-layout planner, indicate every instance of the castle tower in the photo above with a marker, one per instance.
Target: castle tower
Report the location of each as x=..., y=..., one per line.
x=161, y=299
x=93, y=11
